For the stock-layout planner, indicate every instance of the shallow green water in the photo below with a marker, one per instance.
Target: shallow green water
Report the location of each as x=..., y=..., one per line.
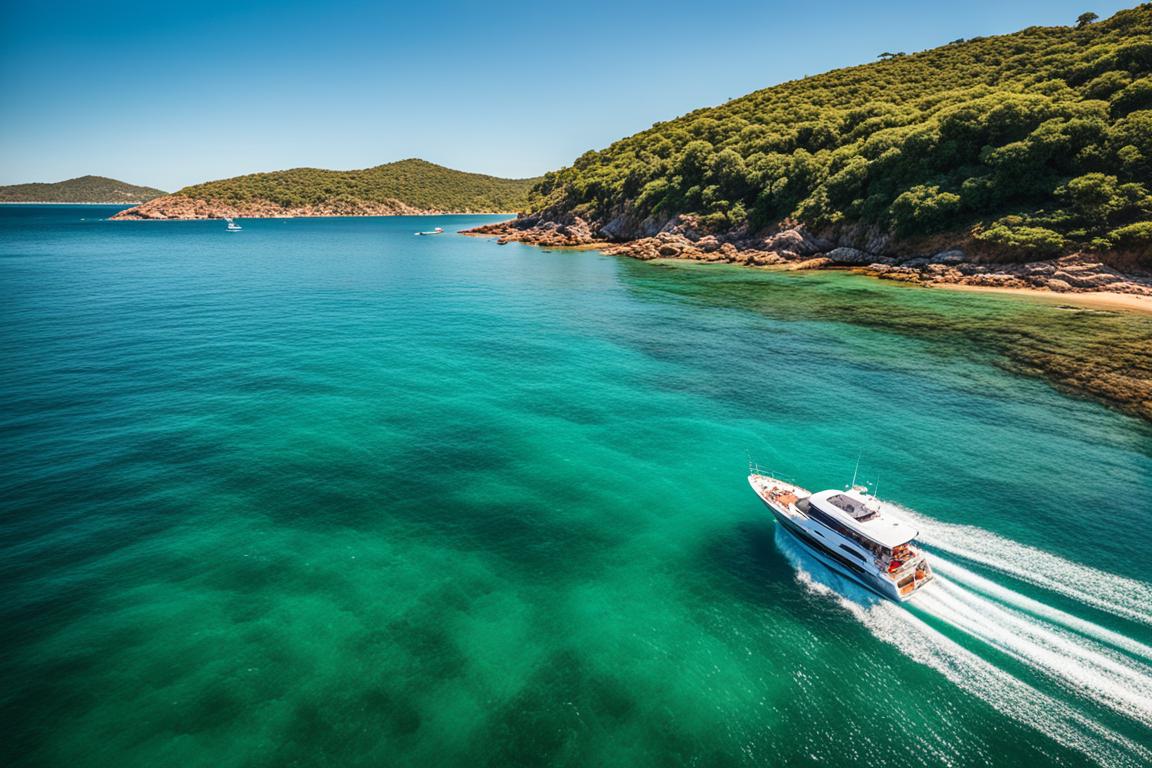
x=322, y=492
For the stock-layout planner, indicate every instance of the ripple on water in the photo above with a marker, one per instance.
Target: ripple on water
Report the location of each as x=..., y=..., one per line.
x=325, y=492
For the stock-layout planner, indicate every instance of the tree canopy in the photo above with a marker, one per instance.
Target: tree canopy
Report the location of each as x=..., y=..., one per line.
x=417, y=183
x=85, y=189
x=1035, y=143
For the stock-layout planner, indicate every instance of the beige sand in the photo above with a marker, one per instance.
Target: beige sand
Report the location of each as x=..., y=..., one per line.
x=1094, y=299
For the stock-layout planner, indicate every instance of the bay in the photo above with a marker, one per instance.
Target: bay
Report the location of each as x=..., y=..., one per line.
x=324, y=492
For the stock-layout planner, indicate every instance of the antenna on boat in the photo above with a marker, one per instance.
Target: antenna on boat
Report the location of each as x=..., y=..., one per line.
x=876, y=488
x=857, y=470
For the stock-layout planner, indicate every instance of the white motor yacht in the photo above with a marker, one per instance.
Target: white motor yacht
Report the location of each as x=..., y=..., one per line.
x=846, y=531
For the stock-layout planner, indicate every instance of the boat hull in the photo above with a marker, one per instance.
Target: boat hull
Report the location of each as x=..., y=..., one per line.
x=831, y=559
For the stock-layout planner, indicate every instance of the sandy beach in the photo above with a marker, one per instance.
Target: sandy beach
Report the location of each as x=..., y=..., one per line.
x=1093, y=300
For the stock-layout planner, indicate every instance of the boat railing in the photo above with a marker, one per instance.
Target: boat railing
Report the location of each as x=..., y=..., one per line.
x=755, y=469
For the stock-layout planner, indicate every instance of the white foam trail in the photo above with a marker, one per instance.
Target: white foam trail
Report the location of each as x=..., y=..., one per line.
x=1109, y=592
x=1022, y=702
x=1088, y=672
x=988, y=587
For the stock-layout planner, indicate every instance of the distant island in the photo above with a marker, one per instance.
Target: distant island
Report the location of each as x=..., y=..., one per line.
x=85, y=189
x=406, y=187
x=1021, y=161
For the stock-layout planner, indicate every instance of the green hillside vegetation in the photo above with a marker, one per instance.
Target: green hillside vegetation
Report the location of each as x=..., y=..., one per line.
x=85, y=189
x=1033, y=143
x=416, y=182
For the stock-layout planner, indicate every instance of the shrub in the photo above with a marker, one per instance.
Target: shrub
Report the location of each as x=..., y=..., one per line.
x=1103, y=86
x=1134, y=96
x=1133, y=235
x=1023, y=241
x=923, y=209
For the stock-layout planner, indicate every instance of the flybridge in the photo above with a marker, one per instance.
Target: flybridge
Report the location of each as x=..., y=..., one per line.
x=857, y=510
x=853, y=510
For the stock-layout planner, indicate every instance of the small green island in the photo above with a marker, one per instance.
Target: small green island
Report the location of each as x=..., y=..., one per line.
x=410, y=186
x=84, y=189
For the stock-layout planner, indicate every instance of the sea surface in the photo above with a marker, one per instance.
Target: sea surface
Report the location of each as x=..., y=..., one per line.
x=325, y=493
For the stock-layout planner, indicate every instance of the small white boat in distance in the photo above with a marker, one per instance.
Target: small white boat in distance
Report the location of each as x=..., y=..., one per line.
x=232, y=226
x=437, y=231
x=845, y=531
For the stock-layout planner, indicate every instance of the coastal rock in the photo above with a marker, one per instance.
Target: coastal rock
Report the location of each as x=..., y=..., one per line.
x=794, y=241
x=577, y=231
x=1038, y=268
x=709, y=243
x=918, y=261
x=950, y=257
x=894, y=272
x=817, y=263
x=877, y=242
x=845, y=255
x=763, y=258
x=572, y=231
x=618, y=228
x=995, y=280
x=865, y=237
x=794, y=248
x=1086, y=274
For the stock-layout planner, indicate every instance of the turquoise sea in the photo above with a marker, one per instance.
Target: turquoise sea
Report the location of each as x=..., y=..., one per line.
x=325, y=493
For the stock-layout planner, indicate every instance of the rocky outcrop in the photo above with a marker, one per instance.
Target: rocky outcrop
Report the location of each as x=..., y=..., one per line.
x=844, y=255
x=183, y=207
x=792, y=246
x=1067, y=274
x=570, y=232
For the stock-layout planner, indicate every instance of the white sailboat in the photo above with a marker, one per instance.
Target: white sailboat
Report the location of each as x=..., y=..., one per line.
x=232, y=226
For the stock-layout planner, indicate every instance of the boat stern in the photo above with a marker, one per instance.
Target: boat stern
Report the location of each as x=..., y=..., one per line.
x=911, y=579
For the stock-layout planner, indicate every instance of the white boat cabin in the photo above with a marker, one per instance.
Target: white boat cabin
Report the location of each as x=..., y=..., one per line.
x=857, y=517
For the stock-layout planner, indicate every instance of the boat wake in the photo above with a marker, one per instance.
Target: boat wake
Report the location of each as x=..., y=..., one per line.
x=1109, y=592
x=953, y=624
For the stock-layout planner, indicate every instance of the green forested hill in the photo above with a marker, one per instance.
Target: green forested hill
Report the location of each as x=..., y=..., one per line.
x=417, y=183
x=85, y=189
x=1032, y=143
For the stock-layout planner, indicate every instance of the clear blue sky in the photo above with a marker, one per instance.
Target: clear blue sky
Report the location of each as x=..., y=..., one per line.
x=169, y=94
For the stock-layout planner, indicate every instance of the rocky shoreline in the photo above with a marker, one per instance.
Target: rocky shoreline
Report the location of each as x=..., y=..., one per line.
x=794, y=247
x=179, y=207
